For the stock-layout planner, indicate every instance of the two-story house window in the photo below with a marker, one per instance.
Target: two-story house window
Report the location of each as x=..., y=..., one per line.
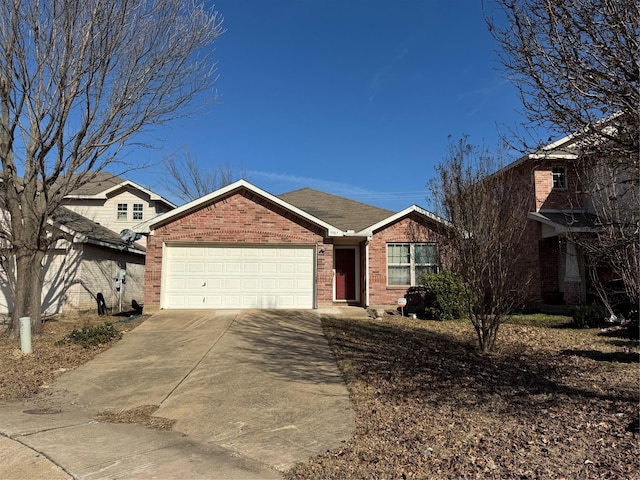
x=407, y=262
x=559, y=175
x=122, y=211
x=137, y=211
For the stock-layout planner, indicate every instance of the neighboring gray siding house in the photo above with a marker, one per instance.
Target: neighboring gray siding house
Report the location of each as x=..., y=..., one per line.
x=116, y=203
x=84, y=263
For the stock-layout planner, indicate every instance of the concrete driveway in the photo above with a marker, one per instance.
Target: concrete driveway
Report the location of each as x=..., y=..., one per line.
x=251, y=393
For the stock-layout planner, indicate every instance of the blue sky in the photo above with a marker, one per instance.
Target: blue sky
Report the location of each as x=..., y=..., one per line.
x=352, y=97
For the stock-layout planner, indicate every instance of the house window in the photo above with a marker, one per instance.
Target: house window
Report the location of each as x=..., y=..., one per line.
x=122, y=211
x=559, y=175
x=137, y=211
x=407, y=262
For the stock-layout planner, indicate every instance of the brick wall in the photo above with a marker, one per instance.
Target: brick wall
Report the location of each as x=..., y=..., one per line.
x=549, y=198
x=241, y=217
x=409, y=229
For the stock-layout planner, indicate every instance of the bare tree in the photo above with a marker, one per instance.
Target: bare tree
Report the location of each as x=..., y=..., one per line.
x=188, y=180
x=573, y=62
x=78, y=81
x=487, y=210
x=612, y=250
x=576, y=65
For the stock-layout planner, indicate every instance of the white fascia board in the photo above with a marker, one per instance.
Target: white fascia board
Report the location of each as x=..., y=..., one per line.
x=367, y=232
x=195, y=204
x=552, y=156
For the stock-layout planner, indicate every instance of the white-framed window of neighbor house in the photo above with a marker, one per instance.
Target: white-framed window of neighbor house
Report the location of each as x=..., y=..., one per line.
x=122, y=211
x=559, y=176
x=408, y=261
x=138, y=209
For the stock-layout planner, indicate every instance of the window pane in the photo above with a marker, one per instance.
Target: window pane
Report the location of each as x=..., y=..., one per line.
x=122, y=211
x=137, y=211
x=426, y=254
x=398, y=254
x=559, y=175
x=399, y=276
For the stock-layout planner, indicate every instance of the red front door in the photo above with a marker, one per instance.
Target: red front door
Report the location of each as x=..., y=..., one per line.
x=345, y=273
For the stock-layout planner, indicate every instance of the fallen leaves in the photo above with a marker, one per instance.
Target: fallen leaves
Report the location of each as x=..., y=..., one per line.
x=429, y=405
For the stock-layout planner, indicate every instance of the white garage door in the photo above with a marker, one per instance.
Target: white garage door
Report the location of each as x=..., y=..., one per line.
x=238, y=277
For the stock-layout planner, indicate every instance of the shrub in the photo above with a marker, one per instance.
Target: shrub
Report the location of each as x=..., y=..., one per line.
x=446, y=295
x=589, y=316
x=93, y=336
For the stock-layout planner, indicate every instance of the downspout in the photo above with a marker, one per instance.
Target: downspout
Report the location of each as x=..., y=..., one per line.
x=366, y=272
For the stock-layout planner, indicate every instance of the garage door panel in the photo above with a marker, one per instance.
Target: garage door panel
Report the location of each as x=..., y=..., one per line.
x=269, y=268
x=214, y=267
x=232, y=285
x=251, y=267
x=232, y=267
x=239, y=277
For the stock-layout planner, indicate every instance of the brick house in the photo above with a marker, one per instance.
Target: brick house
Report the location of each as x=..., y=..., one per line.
x=241, y=247
x=558, y=211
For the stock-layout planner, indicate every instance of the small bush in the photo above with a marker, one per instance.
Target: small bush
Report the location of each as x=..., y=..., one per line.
x=589, y=316
x=446, y=295
x=93, y=336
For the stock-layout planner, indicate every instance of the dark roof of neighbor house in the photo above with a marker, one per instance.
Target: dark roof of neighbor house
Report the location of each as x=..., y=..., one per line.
x=91, y=230
x=101, y=182
x=568, y=219
x=338, y=211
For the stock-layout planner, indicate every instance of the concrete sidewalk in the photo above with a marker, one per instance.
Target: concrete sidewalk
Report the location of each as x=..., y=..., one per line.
x=251, y=393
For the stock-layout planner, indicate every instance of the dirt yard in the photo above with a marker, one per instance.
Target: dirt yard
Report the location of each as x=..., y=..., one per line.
x=551, y=403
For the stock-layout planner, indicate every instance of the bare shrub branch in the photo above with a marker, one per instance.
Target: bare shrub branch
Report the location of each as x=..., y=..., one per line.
x=488, y=216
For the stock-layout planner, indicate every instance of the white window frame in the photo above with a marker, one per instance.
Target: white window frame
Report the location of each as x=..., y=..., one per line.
x=411, y=262
x=559, y=177
x=138, y=211
x=122, y=212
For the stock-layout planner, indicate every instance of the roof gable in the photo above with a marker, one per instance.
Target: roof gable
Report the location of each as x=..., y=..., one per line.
x=105, y=183
x=371, y=229
x=229, y=190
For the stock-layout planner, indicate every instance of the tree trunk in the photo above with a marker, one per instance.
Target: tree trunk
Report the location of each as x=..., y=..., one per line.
x=27, y=300
x=487, y=332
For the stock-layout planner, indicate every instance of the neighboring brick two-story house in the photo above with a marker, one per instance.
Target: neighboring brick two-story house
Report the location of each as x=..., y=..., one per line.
x=559, y=211
x=116, y=203
x=241, y=247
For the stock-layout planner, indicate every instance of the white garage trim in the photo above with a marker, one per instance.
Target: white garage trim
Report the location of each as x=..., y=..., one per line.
x=238, y=276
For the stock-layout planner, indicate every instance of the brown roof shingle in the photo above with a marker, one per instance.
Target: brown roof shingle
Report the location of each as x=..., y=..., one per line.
x=93, y=231
x=101, y=182
x=338, y=211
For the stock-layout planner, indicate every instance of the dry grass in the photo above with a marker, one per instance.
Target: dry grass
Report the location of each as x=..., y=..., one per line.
x=550, y=403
